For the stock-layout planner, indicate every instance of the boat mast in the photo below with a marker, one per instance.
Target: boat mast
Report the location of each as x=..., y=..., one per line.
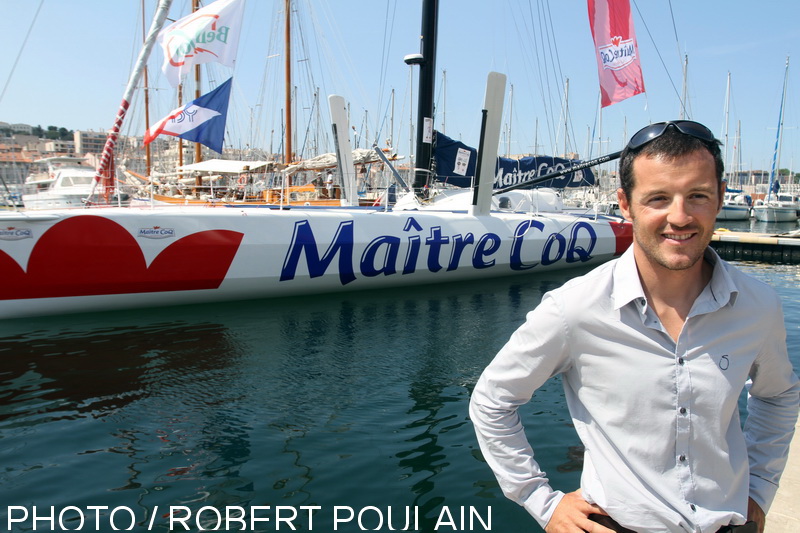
x=198, y=151
x=727, y=121
x=444, y=101
x=510, y=117
x=160, y=16
x=566, y=115
x=147, y=155
x=776, y=156
x=684, y=89
x=287, y=153
x=427, y=74
x=737, y=153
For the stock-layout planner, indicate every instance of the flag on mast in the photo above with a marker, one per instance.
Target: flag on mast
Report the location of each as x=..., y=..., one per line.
x=617, y=50
x=202, y=120
x=210, y=34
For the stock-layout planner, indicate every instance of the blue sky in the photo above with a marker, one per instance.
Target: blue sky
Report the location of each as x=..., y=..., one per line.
x=75, y=64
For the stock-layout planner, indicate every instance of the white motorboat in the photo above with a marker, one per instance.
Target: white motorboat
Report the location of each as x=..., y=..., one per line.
x=61, y=182
x=735, y=206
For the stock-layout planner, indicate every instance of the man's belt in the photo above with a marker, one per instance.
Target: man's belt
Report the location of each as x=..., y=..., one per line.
x=610, y=523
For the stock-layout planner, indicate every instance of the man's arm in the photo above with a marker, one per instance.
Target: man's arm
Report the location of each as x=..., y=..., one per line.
x=755, y=514
x=772, y=411
x=534, y=353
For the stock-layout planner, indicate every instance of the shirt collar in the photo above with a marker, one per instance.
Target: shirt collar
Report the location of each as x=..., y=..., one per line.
x=628, y=285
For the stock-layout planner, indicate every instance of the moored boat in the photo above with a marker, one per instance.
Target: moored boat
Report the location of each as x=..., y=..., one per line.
x=776, y=210
x=735, y=206
x=96, y=259
x=777, y=207
x=67, y=261
x=62, y=182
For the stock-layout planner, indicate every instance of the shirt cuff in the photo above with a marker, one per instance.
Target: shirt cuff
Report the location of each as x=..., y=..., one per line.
x=763, y=492
x=542, y=503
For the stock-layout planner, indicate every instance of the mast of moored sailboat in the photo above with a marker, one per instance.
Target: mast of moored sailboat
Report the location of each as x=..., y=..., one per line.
x=287, y=154
x=776, y=156
x=104, y=168
x=427, y=75
x=147, y=155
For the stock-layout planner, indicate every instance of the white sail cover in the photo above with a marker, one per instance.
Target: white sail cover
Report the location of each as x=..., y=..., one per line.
x=361, y=156
x=226, y=166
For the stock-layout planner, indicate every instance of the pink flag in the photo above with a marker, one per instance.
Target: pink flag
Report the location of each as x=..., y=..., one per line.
x=617, y=51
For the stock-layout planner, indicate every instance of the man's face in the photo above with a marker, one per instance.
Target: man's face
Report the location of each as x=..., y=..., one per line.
x=673, y=207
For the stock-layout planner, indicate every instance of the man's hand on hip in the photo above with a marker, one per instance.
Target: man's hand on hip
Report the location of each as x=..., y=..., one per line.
x=572, y=516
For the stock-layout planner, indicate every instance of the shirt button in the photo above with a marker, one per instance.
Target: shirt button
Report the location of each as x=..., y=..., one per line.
x=681, y=361
x=683, y=410
x=682, y=458
x=692, y=507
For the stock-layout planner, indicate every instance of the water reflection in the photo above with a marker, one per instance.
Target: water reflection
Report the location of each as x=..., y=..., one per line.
x=355, y=400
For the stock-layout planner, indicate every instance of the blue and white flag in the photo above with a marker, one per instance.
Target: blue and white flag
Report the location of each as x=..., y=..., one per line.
x=202, y=120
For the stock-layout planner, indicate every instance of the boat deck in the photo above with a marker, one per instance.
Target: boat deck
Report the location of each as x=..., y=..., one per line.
x=763, y=247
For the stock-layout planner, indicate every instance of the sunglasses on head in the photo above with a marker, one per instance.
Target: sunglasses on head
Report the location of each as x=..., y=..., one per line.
x=654, y=131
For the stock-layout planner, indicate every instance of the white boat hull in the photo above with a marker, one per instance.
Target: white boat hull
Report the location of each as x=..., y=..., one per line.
x=770, y=213
x=734, y=212
x=55, y=262
x=48, y=200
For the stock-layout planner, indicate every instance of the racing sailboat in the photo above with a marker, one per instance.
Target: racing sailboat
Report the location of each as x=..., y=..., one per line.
x=97, y=259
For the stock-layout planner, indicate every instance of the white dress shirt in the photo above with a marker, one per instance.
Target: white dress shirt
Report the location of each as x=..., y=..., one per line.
x=664, y=446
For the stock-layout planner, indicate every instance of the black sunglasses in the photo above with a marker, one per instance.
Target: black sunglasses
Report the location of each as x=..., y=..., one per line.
x=654, y=131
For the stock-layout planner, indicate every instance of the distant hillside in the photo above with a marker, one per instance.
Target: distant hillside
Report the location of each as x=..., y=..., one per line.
x=52, y=133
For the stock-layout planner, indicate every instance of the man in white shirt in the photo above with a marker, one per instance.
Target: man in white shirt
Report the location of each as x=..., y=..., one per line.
x=654, y=350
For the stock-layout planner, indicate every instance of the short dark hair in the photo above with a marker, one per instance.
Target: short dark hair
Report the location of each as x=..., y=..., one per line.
x=671, y=144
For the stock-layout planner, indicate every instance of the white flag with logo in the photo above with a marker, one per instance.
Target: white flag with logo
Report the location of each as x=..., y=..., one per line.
x=210, y=34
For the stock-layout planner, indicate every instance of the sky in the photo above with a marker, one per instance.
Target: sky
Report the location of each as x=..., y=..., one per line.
x=66, y=63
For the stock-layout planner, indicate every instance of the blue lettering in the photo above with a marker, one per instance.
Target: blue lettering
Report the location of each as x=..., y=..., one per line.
x=410, y=266
x=487, y=245
x=434, y=243
x=562, y=244
x=303, y=240
x=516, y=244
x=459, y=243
x=392, y=245
x=576, y=252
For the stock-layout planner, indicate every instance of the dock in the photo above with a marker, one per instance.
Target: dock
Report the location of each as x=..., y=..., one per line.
x=762, y=247
x=784, y=515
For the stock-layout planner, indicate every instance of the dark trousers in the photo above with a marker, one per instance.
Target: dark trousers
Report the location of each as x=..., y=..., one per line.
x=611, y=524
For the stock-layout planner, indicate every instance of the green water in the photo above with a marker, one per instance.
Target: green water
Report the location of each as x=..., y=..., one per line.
x=316, y=406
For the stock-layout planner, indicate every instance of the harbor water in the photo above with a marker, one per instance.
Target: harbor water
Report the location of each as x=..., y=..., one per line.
x=329, y=413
